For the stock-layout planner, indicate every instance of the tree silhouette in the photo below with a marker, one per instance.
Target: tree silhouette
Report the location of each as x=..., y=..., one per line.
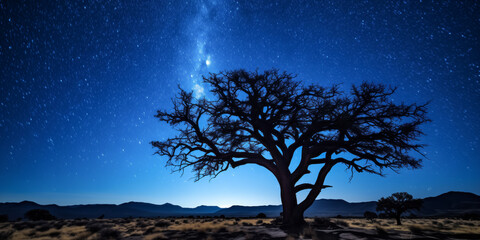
x=397, y=204
x=370, y=215
x=39, y=214
x=264, y=118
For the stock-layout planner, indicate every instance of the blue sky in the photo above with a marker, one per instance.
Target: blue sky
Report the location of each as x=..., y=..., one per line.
x=82, y=80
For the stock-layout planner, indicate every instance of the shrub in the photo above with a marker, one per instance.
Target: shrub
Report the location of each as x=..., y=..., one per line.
x=39, y=214
x=94, y=227
x=162, y=224
x=370, y=215
x=4, y=235
x=321, y=221
x=259, y=221
x=277, y=221
x=149, y=230
x=109, y=233
x=381, y=231
x=58, y=225
x=261, y=215
x=22, y=225
x=54, y=234
x=440, y=225
x=141, y=224
x=3, y=218
x=415, y=230
x=43, y=228
x=341, y=223
x=77, y=223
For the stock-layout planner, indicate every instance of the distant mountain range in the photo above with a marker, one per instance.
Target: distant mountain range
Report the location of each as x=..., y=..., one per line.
x=447, y=204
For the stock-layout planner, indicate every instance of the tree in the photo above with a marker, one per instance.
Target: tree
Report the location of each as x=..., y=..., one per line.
x=397, y=204
x=39, y=214
x=264, y=118
x=370, y=215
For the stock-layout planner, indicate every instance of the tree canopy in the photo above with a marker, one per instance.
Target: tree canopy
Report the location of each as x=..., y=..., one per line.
x=397, y=204
x=264, y=118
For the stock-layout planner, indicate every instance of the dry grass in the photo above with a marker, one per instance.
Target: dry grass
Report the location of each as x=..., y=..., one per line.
x=148, y=229
x=448, y=226
x=212, y=228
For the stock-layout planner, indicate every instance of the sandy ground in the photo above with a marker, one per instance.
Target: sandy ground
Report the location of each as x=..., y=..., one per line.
x=216, y=228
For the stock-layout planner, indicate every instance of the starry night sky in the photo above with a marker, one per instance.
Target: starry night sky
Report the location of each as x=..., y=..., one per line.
x=81, y=81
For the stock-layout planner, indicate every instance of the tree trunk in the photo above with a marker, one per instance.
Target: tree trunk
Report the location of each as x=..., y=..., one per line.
x=292, y=215
x=293, y=222
x=398, y=219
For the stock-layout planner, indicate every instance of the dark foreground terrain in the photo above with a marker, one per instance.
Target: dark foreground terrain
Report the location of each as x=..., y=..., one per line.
x=236, y=228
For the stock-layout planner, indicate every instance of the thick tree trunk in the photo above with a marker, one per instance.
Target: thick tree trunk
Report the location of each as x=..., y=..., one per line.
x=397, y=217
x=294, y=221
x=292, y=215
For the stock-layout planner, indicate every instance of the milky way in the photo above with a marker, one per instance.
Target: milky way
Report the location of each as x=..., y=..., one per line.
x=81, y=81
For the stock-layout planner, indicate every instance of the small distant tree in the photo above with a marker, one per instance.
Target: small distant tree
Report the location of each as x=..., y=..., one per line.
x=3, y=218
x=39, y=214
x=370, y=215
x=264, y=118
x=261, y=215
x=397, y=204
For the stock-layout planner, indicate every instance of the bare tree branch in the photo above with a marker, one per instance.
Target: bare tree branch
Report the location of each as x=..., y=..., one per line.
x=264, y=118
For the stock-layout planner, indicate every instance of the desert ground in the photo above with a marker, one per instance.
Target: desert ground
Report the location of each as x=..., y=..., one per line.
x=236, y=228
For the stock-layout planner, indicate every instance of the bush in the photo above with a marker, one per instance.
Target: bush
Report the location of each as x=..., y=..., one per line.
x=3, y=218
x=370, y=215
x=415, y=230
x=58, y=225
x=141, y=224
x=440, y=225
x=322, y=221
x=447, y=221
x=94, y=227
x=341, y=223
x=4, y=235
x=22, y=225
x=109, y=233
x=39, y=214
x=259, y=221
x=43, y=228
x=381, y=231
x=149, y=230
x=54, y=234
x=261, y=215
x=277, y=221
x=162, y=224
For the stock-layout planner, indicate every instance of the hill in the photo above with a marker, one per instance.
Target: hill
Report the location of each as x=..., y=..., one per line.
x=447, y=204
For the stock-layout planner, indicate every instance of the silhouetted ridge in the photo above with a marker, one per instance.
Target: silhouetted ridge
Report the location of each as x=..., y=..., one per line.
x=447, y=204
